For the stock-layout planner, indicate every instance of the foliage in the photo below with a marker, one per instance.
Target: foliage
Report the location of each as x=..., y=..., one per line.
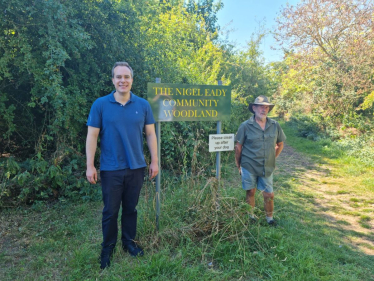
x=207, y=9
x=329, y=57
x=360, y=147
x=248, y=75
x=354, y=137
x=307, y=126
x=37, y=179
x=176, y=48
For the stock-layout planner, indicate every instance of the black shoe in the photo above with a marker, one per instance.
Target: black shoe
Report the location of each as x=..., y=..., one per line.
x=272, y=223
x=133, y=249
x=106, y=255
x=252, y=220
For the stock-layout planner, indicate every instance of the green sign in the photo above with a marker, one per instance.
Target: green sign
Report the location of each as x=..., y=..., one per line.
x=181, y=102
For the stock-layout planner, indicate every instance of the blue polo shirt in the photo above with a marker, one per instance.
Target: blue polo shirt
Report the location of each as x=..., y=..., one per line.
x=121, y=131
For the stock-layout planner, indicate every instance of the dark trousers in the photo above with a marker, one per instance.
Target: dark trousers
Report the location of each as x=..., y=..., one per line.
x=120, y=186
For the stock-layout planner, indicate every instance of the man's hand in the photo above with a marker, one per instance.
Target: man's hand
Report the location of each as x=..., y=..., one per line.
x=153, y=170
x=152, y=145
x=91, y=175
x=278, y=148
x=91, y=143
x=238, y=155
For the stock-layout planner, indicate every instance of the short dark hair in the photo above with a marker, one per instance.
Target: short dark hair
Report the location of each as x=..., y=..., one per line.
x=122, y=63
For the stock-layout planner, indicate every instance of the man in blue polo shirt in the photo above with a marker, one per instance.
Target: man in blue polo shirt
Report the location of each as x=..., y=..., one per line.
x=119, y=119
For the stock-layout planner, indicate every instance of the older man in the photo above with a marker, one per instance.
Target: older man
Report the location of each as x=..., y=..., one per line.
x=259, y=141
x=120, y=119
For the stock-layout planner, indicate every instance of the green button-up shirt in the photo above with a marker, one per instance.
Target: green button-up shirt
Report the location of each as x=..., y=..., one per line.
x=258, y=151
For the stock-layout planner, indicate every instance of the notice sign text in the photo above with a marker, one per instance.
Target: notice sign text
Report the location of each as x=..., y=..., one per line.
x=182, y=102
x=222, y=142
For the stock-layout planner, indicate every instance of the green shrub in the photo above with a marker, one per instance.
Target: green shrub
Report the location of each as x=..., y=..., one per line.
x=349, y=140
x=37, y=179
x=307, y=126
x=360, y=147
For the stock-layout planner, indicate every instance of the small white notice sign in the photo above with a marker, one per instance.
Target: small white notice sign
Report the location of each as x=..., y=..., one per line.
x=222, y=142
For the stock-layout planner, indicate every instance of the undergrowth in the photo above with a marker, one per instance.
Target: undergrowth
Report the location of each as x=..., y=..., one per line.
x=354, y=137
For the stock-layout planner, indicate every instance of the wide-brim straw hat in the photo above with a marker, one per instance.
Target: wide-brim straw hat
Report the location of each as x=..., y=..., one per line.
x=261, y=100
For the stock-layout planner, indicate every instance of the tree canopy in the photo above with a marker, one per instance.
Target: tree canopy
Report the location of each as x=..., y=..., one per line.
x=330, y=55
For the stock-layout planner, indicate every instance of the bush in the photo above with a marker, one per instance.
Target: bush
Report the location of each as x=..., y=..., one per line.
x=307, y=126
x=355, y=137
x=360, y=147
x=37, y=179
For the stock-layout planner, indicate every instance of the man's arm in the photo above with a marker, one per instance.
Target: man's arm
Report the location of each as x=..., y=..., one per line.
x=278, y=149
x=152, y=146
x=91, y=144
x=238, y=154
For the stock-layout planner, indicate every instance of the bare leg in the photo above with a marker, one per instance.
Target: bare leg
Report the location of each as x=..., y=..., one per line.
x=250, y=198
x=268, y=203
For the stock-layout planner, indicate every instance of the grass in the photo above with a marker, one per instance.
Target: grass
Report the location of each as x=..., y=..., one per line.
x=204, y=230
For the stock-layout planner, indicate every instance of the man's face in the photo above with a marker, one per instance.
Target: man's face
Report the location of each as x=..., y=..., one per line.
x=261, y=110
x=122, y=80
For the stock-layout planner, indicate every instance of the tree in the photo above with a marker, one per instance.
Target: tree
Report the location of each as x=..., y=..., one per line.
x=331, y=57
x=207, y=9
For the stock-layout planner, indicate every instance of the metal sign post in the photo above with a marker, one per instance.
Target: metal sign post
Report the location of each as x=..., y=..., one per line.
x=158, y=177
x=218, y=157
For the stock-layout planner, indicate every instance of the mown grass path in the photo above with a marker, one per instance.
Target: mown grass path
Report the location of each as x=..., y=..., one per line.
x=335, y=195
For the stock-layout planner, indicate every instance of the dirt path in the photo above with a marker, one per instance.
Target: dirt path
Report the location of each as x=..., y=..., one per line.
x=344, y=209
